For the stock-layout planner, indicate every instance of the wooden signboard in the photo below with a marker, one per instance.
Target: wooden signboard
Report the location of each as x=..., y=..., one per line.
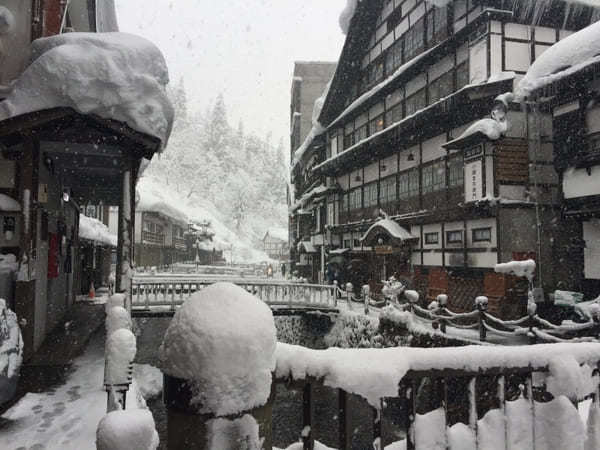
x=384, y=250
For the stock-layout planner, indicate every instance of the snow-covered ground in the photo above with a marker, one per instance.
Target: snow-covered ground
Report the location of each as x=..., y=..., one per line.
x=66, y=417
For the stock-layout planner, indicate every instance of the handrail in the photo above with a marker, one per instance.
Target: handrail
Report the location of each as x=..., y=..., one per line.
x=148, y=292
x=455, y=391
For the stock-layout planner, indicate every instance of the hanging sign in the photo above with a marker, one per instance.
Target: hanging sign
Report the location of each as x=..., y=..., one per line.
x=473, y=181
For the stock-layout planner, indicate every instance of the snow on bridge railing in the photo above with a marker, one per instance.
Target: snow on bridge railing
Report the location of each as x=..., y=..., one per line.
x=475, y=396
x=164, y=291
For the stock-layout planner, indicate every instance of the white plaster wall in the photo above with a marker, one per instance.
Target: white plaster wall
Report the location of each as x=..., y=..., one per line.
x=485, y=259
x=404, y=162
x=577, y=182
x=432, y=148
x=372, y=172
x=432, y=258
x=591, y=255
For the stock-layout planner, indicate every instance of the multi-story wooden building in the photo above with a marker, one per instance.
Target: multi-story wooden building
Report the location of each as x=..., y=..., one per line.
x=570, y=95
x=275, y=244
x=417, y=130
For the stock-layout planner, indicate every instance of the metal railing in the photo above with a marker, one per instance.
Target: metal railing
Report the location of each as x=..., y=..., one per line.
x=152, y=292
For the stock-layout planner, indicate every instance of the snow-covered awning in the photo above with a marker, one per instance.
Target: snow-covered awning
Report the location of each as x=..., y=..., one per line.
x=306, y=247
x=483, y=129
x=566, y=57
x=91, y=229
x=339, y=251
x=387, y=227
x=9, y=204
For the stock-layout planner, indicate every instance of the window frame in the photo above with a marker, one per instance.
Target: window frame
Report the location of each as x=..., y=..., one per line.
x=449, y=240
x=428, y=238
x=474, y=231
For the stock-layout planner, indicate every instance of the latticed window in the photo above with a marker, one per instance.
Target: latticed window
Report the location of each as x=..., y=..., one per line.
x=388, y=190
x=355, y=199
x=408, y=184
x=456, y=173
x=371, y=194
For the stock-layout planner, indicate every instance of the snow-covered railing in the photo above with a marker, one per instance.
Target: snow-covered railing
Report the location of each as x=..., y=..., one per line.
x=171, y=292
x=435, y=398
x=532, y=326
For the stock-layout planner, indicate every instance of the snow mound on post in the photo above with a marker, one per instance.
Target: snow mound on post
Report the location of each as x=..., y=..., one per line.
x=518, y=268
x=236, y=433
x=223, y=340
x=126, y=430
x=117, y=318
x=116, y=76
x=120, y=351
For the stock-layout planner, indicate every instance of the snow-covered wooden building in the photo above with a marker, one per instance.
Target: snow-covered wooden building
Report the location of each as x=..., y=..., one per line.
x=414, y=127
x=61, y=148
x=565, y=83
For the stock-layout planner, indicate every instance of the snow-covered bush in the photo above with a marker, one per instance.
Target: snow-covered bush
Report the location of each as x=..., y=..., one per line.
x=127, y=430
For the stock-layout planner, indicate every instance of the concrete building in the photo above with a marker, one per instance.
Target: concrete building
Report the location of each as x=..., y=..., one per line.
x=417, y=134
x=308, y=84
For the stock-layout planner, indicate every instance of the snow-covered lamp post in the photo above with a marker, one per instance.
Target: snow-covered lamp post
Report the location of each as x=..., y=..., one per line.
x=366, y=291
x=217, y=357
x=482, y=304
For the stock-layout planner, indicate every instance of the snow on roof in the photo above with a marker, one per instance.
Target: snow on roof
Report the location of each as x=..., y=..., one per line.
x=518, y=268
x=278, y=233
x=94, y=230
x=564, y=58
x=222, y=339
x=347, y=14
x=491, y=128
x=9, y=204
x=153, y=199
x=393, y=228
x=307, y=246
x=316, y=130
x=354, y=370
x=116, y=76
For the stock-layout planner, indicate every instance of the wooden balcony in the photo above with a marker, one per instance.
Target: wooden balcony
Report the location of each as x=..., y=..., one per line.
x=148, y=237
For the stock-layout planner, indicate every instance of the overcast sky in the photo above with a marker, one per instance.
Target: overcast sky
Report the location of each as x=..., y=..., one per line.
x=243, y=48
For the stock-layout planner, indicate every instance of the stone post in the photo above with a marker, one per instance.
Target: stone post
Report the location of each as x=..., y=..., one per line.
x=217, y=358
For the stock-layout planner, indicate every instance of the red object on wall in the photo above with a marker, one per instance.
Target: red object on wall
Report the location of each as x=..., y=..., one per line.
x=52, y=255
x=52, y=16
x=523, y=256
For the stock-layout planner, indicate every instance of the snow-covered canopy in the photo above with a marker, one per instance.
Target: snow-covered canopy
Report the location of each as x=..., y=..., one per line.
x=306, y=246
x=389, y=227
x=116, y=76
x=9, y=204
x=492, y=129
x=562, y=59
x=94, y=230
x=519, y=268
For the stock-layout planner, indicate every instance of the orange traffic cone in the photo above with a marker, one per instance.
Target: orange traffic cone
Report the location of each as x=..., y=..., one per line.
x=92, y=292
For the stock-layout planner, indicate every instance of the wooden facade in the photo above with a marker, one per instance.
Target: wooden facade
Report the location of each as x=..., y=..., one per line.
x=412, y=79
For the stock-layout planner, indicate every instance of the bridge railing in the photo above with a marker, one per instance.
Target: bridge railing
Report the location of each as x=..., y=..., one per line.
x=438, y=404
x=149, y=292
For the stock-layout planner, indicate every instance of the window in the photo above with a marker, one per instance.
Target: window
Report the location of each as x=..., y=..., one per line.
x=360, y=134
x=427, y=174
x=416, y=102
x=462, y=75
x=388, y=190
x=408, y=184
x=355, y=199
x=441, y=87
x=345, y=202
x=331, y=214
x=376, y=125
x=393, y=58
x=454, y=237
x=482, y=234
x=371, y=194
x=393, y=115
x=456, y=172
x=432, y=238
x=414, y=40
x=437, y=25
x=149, y=226
x=439, y=176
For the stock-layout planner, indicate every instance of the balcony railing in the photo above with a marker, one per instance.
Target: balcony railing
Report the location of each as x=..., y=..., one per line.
x=149, y=237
